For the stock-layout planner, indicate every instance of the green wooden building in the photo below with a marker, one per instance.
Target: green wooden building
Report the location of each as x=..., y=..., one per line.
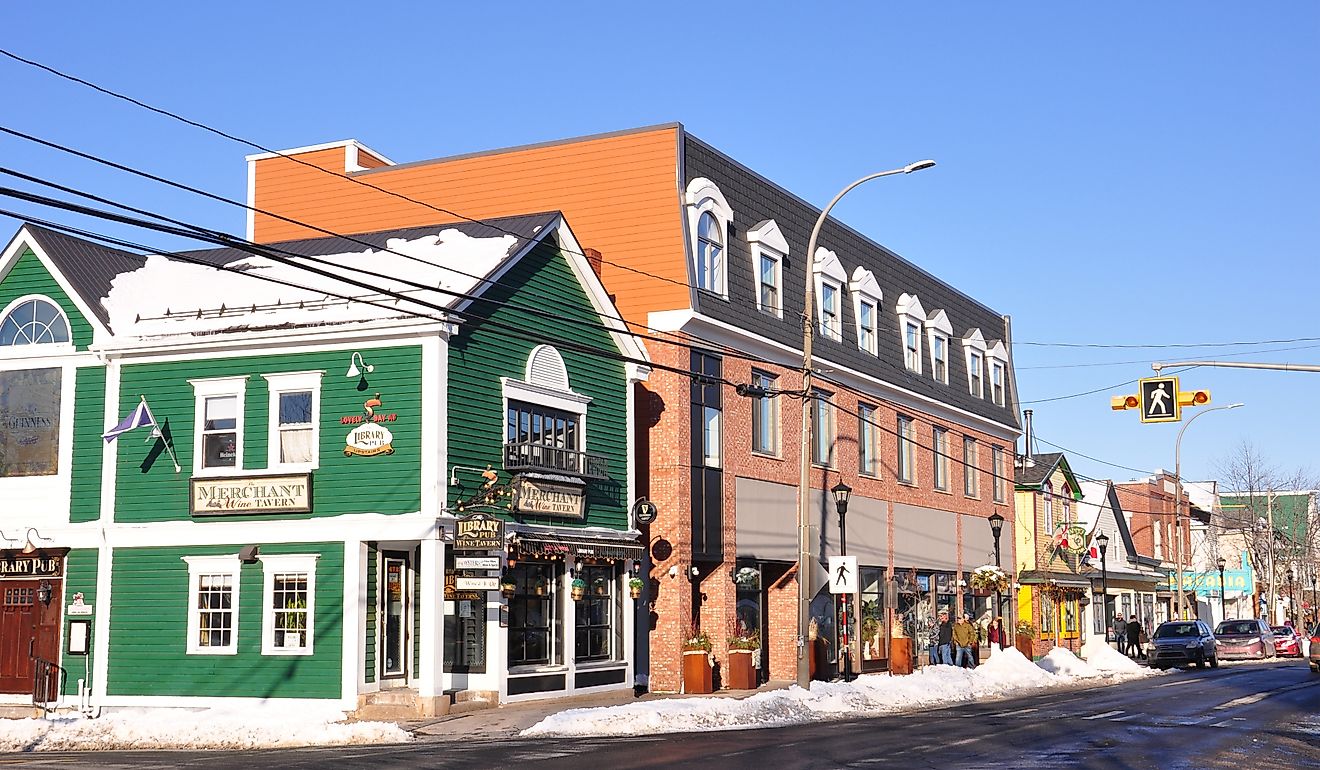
x=365, y=471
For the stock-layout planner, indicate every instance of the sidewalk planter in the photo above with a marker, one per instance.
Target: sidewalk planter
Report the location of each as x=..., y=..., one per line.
x=1023, y=643
x=697, y=672
x=900, y=655
x=742, y=675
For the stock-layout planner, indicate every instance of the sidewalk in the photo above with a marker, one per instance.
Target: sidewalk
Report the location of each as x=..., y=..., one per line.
x=507, y=721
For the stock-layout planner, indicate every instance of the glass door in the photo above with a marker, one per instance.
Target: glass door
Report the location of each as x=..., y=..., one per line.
x=396, y=615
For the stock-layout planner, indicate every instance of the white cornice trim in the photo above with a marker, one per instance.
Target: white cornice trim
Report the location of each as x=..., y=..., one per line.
x=405, y=332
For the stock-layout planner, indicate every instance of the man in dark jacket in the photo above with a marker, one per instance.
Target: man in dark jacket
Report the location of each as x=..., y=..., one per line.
x=945, y=639
x=1134, y=638
x=1120, y=634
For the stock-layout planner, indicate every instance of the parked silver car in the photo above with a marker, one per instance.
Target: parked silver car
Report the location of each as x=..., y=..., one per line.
x=1252, y=638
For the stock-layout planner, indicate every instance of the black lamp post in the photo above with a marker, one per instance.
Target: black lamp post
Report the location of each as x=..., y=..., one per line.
x=841, y=491
x=1315, y=612
x=1102, y=541
x=996, y=527
x=1223, y=613
x=1292, y=602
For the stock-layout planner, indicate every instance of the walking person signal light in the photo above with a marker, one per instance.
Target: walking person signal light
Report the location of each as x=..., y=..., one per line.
x=1160, y=400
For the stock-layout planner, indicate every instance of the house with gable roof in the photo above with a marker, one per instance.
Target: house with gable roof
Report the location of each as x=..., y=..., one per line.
x=1124, y=577
x=1052, y=576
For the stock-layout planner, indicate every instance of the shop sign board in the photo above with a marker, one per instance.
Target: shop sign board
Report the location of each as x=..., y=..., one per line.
x=476, y=562
x=468, y=583
x=479, y=532
x=251, y=494
x=549, y=498
x=31, y=566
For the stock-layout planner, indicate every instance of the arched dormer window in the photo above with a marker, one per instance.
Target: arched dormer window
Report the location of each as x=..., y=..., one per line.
x=830, y=278
x=911, y=319
x=938, y=331
x=866, y=308
x=709, y=216
x=33, y=321
x=545, y=421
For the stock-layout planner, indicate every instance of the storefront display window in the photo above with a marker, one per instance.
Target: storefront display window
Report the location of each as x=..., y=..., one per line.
x=465, y=626
x=872, y=612
x=596, y=616
x=533, y=621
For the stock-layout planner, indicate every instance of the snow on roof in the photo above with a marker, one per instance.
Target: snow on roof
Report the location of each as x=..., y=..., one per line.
x=168, y=296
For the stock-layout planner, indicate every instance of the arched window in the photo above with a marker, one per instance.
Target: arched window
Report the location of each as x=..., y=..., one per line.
x=34, y=322
x=710, y=253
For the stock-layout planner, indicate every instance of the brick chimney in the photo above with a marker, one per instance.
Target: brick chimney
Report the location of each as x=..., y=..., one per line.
x=593, y=259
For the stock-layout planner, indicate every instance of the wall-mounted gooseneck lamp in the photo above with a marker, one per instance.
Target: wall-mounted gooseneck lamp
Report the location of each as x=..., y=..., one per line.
x=356, y=365
x=30, y=546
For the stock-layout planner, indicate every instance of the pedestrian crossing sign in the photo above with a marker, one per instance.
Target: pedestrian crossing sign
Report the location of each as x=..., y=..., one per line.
x=1159, y=400
x=843, y=574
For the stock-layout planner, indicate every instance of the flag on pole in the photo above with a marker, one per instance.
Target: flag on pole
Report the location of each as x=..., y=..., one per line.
x=139, y=417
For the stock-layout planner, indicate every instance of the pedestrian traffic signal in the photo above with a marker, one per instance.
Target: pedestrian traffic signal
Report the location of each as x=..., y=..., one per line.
x=1159, y=399
x=1193, y=397
x=1119, y=403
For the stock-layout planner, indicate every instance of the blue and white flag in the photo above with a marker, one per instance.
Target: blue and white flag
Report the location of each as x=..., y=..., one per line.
x=139, y=417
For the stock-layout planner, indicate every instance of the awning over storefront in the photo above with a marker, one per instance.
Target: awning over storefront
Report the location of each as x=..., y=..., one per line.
x=576, y=544
x=927, y=538
x=1041, y=577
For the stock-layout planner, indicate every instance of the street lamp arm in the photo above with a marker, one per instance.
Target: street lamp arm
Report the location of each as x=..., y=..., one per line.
x=1178, y=495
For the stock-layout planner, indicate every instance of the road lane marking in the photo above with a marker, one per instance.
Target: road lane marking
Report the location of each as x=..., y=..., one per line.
x=1245, y=700
x=1124, y=719
x=1179, y=682
x=1105, y=715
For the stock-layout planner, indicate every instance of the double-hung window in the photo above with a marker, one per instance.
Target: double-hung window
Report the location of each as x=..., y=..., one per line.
x=868, y=441
x=295, y=408
x=971, y=471
x=823, y=428
x=939, y=358
x=710, y=254
x=998, y=482
x=907, y=447
x=911, y=320
x=765, y=416
x=212, y=605
x=912, y=347
x=997, y=382
x=768, y=249
x=940, y=446
x=975, y=366
x=289, y=604
x=218, y=427
x=866, y=332
x=1049, y=508
x=831, y=325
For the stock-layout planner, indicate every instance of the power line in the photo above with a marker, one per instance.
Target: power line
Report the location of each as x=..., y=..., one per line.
x=1161, y=346
x=1147, y=361
x=1097, y=390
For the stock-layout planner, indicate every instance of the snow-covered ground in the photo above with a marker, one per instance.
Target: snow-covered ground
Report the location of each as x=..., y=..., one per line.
x=1004, y=673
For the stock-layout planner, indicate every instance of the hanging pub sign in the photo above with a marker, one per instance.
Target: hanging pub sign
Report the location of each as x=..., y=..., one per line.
x=370, y=437
x=550, y=498
x=478, y=532
x=31, y=566
x=252, y=494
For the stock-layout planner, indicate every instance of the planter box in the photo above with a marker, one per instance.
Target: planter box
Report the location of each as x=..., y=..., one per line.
x=741, y=675
x=697, y=672
x=1023, y=644
x=900, y=655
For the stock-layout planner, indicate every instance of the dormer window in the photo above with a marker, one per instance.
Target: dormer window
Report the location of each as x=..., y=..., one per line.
x=768, y=248
x=866, y=306
x=974, y=349
x=829, y=288
x=33, y=321
x=911, y=318
x=998, y=358
x=938, y=330
x=708, y=222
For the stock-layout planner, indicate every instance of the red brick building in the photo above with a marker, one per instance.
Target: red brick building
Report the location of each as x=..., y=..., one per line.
x=1156, y=532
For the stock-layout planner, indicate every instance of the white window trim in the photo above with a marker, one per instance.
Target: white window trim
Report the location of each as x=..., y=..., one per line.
x=218, y=386
x=774, y=415
x=974, y=342
x=938, y=327
x=281, y=564
x=907, y=451
x=288, y=382
x=939, y=442
x=971, y=468
x=822, y=405
x=910, y=312
x=532, y=393
x=765, y=240
x=211, y=565
x=865, y=288
x=702, y=196
x=998, y=483
x=44, y=348
x=829, y=271
x=997, y=355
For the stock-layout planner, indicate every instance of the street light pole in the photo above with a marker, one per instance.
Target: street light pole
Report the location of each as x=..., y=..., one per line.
x=1223, y=613
x=1102, y=540
x=1292, y=601
x=1177, y=503
x=997, y=527
x=841, y=492
x=805, y=561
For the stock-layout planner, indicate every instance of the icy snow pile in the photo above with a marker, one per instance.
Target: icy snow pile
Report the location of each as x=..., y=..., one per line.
x=250, y=728
x=1106, y=659
x=1005, y=673
x=1061, y=661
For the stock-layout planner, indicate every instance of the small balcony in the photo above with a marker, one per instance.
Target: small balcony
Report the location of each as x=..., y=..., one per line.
x=530, y=456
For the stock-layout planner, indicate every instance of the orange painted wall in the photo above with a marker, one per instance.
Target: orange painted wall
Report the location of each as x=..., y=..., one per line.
x=619, y=193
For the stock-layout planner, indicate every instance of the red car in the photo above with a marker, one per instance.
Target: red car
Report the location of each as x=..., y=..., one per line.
x=1287, y=642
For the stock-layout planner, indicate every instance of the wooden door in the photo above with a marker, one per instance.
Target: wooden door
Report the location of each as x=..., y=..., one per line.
x=29, y=629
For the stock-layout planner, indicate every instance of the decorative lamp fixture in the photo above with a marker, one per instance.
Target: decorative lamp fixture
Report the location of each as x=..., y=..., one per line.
x=30, y=546
x=996, y=523
x=577, y=567
x=353, y=366
x=44, y=592
x=1101, y=540
x=637, y=567
x=841, y=491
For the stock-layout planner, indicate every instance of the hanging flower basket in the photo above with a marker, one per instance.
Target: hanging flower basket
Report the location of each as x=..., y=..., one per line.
x=989, y=578
x=635, y=588
x=579, y=589
x=508, y=586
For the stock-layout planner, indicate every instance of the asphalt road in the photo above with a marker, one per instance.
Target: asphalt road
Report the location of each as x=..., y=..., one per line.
x=1243, y=717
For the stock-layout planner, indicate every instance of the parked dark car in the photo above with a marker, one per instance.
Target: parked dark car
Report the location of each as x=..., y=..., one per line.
x=1286, y=642
x=1183, y=643
x=1237, y=639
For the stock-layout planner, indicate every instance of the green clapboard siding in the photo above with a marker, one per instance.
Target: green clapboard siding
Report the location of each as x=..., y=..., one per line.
x=29, y=276
x=79, y=576
x=148, y=489
x=149, y=627
x=369, y=653
x=88, y=424
x=480, y=355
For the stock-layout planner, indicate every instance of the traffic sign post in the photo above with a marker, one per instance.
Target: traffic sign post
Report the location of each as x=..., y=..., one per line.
x=843, y=574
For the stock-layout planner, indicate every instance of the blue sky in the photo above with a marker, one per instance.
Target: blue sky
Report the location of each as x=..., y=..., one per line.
x=1118, y=174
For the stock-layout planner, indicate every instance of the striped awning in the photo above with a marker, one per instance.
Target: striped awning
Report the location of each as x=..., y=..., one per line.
x=527, y=544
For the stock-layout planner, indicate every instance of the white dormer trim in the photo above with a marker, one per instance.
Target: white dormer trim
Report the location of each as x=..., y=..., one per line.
x=939, y=328
x=911, y=319
x=866, y=289
x=829, y=272
x=766, y=241
x=703, y=196
x=974, y=348
x=997, y=358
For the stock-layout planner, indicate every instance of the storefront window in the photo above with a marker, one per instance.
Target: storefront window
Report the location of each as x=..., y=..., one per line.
x=1047, y=610
x=533, y=625
x=872, y=613
x=595, y=616
x=465, y=626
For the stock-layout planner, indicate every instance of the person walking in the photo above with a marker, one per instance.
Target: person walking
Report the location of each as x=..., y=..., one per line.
x=945, y=639
x=1120, y=634
x=998, y=640
x=1134, y=634
x=964, y=638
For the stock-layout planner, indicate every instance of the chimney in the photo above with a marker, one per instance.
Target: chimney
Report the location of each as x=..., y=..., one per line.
x=593, y=259
x=1027, y=460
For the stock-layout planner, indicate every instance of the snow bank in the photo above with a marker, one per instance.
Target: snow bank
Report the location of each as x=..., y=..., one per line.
x=1106, y=659
x=249, y=728
x=1061, y=661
